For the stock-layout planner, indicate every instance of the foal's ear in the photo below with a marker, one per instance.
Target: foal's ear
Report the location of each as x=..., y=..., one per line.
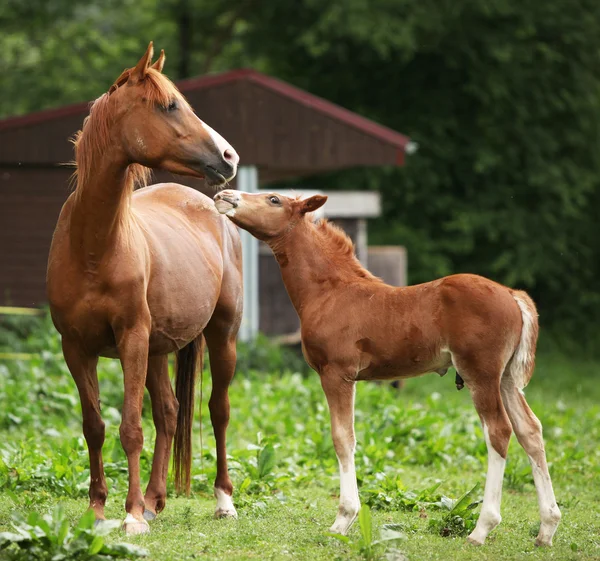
x=139, y=72
x=312, y=203
x=160, y=61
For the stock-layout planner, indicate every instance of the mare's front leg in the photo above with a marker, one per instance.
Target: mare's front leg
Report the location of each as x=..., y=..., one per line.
x=133, y=343
x=83, y=370
x=164, y=414
x=340, y=397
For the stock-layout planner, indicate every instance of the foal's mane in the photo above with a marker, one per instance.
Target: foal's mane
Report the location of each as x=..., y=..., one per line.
x=340, y=248
x=95, y=135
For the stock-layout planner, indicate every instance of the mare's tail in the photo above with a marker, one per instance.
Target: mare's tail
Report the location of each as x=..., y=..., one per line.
x=189, y=360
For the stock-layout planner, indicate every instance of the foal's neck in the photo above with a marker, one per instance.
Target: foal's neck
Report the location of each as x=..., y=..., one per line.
x=313, y=262
x=101, y=206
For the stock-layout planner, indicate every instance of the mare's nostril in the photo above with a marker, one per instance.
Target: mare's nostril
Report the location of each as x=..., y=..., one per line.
x=228, y=155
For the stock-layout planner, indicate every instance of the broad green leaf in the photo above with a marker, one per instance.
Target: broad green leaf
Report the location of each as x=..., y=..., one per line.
x=96, y=545
x=266, y=461
x=366, y=524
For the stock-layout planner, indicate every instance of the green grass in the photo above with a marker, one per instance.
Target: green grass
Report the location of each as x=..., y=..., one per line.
x=408, y=441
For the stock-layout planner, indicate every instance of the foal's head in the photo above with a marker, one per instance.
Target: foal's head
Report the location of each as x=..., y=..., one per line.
x=145, y=118
x=265, y=216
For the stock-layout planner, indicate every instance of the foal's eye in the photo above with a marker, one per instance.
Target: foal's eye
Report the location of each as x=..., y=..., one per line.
x=172, y=106
x=274, y=200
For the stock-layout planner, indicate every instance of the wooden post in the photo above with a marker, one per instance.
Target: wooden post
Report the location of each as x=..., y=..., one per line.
x=247, y=180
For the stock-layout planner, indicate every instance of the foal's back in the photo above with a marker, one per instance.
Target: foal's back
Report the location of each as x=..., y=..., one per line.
x=392, y=332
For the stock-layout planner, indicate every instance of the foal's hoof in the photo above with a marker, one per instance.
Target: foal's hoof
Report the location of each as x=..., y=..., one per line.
x=474, y=541
x=134, y=527
x=149, y=515
x=225, y=513
x=543, y=542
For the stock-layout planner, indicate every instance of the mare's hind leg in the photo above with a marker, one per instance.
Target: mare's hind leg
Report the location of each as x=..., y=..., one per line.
x=83, y=370
x=485, y=390
x=164, y=413
x=221, y=343
x=221, y=335
x=528, y=429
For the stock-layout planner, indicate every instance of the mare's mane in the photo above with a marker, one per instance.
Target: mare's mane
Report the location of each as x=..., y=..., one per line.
x=95, y=135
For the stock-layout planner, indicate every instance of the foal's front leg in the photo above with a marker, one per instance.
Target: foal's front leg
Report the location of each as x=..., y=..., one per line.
x=340, y=397
x=133, y=346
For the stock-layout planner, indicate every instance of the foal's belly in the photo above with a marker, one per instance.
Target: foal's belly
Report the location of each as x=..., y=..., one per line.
x=409, y=365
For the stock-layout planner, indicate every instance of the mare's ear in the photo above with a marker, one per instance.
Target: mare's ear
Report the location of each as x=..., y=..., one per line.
x=120, y=80
x=313, y=203
x=139, y=72
x=160, y=61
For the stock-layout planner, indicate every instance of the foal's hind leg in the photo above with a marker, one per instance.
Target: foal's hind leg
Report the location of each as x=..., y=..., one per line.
x=164, y=413
x=485, y=391
x=528, y=429
x=83, y=370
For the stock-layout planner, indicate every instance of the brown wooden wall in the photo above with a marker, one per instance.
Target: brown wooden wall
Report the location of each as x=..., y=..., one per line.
x=30, y=202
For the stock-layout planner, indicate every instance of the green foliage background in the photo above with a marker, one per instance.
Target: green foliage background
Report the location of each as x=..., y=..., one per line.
x=503, y=97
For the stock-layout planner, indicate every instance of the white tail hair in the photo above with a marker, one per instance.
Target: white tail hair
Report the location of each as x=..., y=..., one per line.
x=522, y=363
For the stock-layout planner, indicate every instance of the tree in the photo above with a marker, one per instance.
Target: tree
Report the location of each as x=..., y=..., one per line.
x=502, y=96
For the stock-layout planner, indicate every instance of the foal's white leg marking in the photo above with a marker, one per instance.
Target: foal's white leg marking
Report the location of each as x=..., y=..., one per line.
x=133, y=526
x=225, y=508
x=344, y=441
x=349, y=501
x=549, y=511
x=492, y=496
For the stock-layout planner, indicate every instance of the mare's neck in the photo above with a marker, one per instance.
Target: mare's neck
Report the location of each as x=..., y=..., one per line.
x=312, y=264
x=101, y=207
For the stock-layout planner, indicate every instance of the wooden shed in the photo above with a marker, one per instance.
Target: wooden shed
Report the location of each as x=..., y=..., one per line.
x=278, y=130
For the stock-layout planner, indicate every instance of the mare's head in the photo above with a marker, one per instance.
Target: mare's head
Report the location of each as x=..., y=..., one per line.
x=266, y=216
x=147, y=119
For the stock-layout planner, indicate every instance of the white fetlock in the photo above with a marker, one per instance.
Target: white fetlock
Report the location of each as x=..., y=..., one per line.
x=225, y=508
x=344, y=520
x=488, y=520
x=133, y=527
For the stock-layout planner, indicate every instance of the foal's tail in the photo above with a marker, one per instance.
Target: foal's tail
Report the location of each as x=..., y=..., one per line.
x=522, y=363
x=189, y=360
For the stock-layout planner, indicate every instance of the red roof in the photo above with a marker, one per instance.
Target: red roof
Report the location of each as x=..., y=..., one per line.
x=314, y=102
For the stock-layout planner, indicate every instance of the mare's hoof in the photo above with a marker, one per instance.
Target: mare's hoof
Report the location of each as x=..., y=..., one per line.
x=225, y=513
x=133, y=527
x=542, y=542
x=149, y=515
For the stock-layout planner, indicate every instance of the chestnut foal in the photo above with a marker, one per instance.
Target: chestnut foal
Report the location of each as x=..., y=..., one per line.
x=355, y=327
x=139, y=275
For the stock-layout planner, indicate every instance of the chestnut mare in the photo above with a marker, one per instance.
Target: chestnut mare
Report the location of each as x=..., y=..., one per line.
x=355, y=327
x=139, y=275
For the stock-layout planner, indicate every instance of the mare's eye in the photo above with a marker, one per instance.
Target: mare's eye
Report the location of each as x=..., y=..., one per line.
x=172, y=106
x=274, y=200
